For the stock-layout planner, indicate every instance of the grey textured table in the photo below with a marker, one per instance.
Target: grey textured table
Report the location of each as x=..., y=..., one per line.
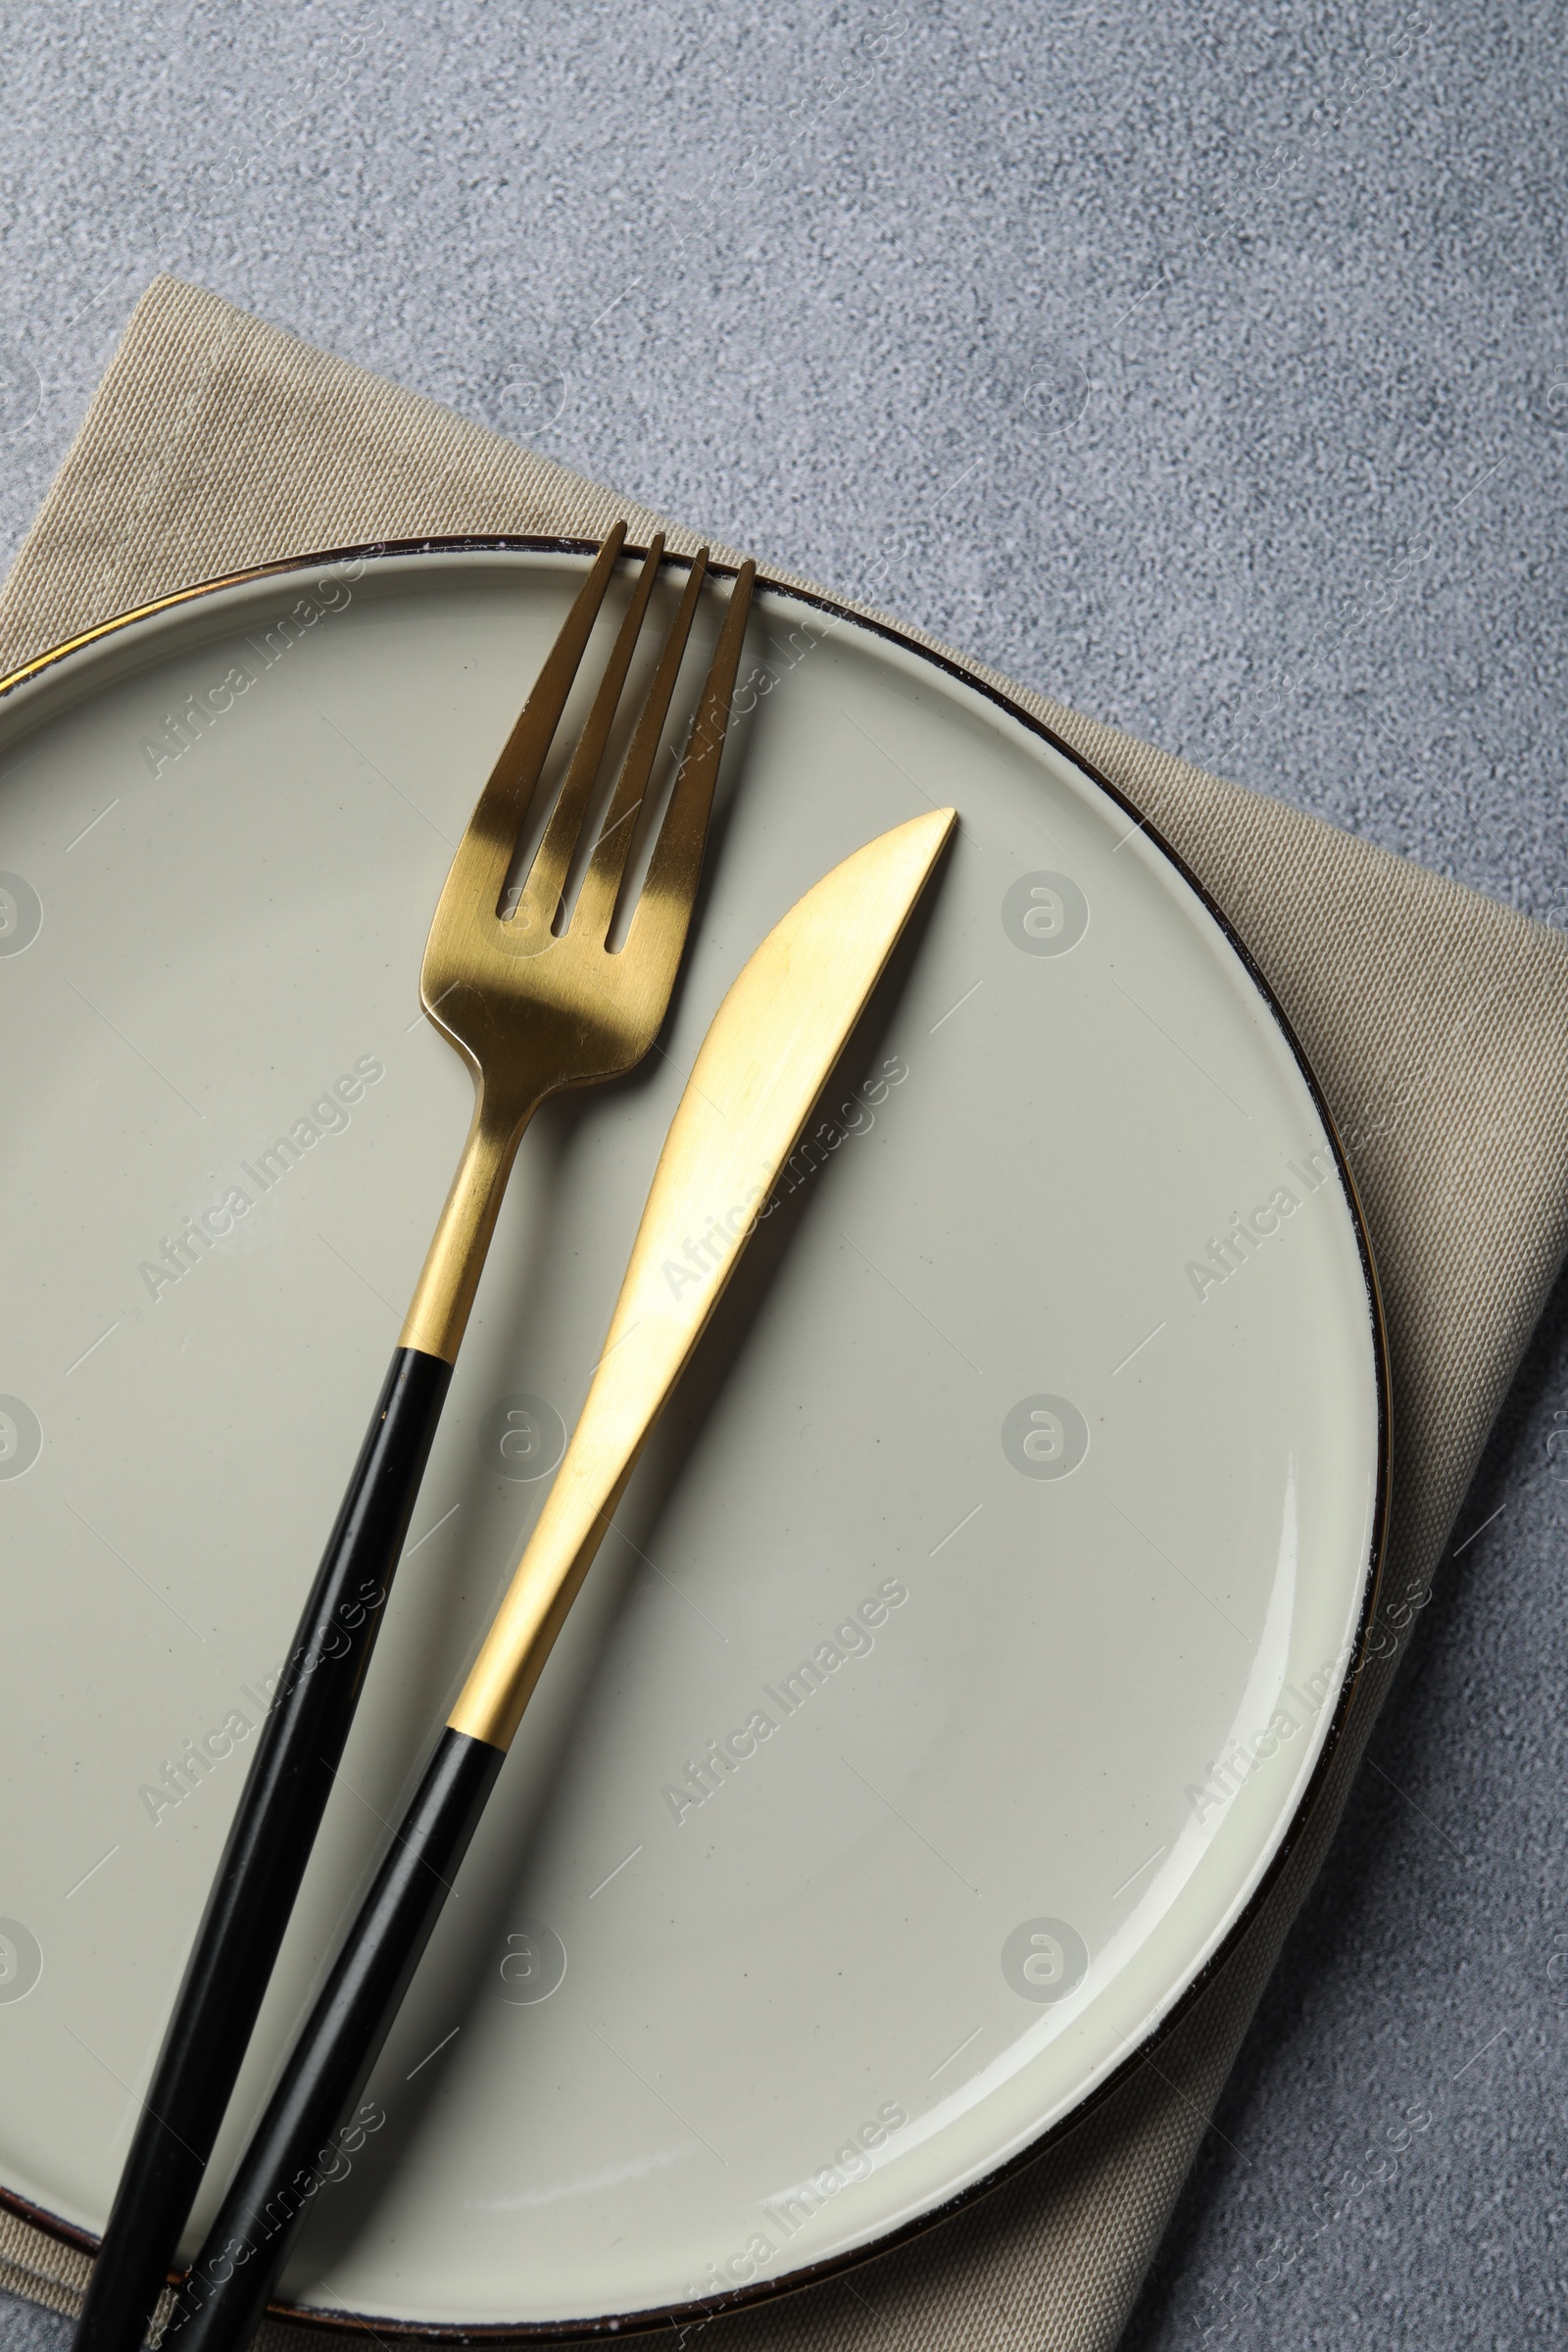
x=1210, y=372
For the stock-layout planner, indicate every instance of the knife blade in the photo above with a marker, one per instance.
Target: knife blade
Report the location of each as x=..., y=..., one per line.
x=768, y=1053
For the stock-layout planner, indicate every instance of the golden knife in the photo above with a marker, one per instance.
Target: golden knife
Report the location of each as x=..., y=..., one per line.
x=770, y=1050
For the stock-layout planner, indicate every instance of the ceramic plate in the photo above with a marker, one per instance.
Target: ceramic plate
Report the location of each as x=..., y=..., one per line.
x=977, y=1621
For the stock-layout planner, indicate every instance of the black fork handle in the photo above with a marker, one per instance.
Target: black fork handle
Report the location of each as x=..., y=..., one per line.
x=280, y=1809
x=311, y=2129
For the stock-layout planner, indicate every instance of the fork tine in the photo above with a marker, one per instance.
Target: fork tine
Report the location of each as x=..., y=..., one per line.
x=547, y=878
x=663, y=911
x=485, y=851
x=602, y=884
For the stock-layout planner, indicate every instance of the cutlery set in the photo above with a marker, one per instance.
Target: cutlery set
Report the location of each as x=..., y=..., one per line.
x=524, y=983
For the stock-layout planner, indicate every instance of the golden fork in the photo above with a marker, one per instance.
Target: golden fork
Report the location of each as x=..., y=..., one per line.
x=532, y=1008
x=530, y=1011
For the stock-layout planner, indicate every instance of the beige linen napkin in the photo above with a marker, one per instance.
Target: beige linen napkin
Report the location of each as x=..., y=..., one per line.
x=1436, y=1022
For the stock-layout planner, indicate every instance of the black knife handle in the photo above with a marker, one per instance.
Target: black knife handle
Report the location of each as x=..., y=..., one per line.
x=280, y=1809
x=302, y=2142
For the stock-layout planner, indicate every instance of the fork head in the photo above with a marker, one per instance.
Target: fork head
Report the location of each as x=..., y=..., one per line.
x=534, y=1004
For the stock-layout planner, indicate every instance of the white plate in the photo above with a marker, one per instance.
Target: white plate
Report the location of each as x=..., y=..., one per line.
x=1005, y=1526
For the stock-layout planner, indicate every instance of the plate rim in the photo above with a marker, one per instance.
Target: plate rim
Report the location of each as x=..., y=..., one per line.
x=699, y=2312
